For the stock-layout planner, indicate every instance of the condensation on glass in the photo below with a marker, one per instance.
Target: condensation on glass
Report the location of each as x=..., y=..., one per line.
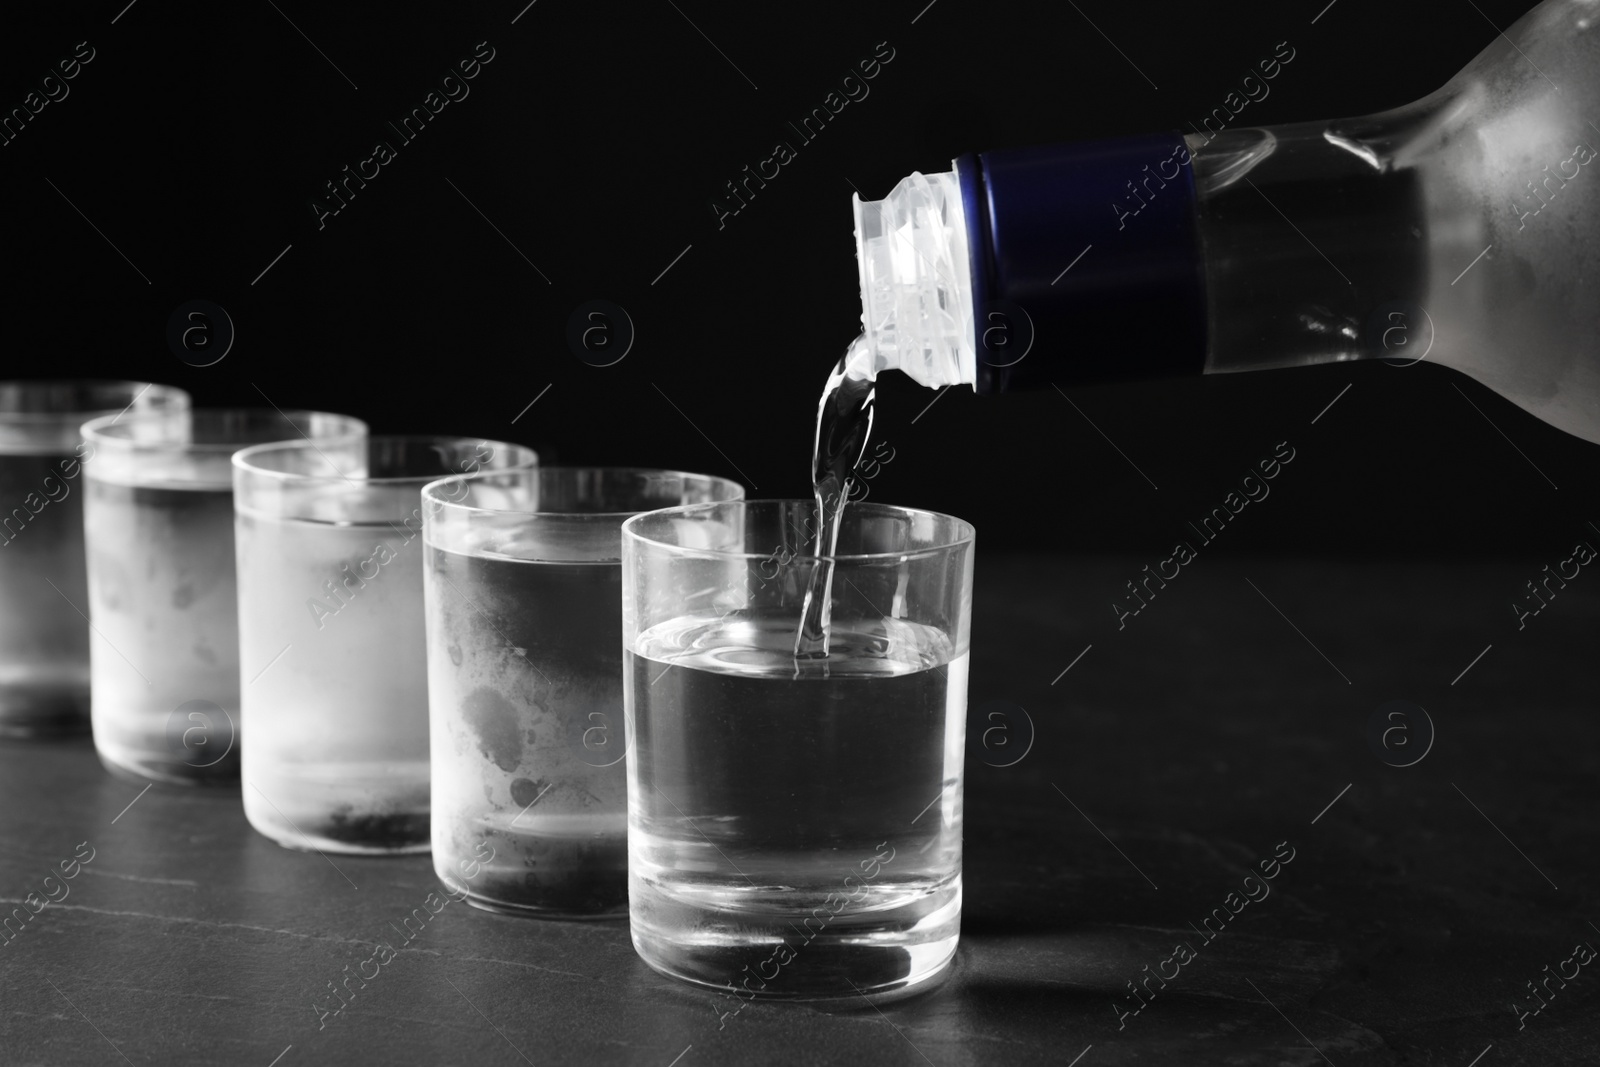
x=44, y=640
x=158, y=531
x=335, y=705
x=524, y=596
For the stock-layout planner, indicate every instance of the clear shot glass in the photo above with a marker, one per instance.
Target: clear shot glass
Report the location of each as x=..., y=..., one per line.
x=158, y=530
x=44, y=641
x=334, y=663
x=794, y=826
x=524, y=585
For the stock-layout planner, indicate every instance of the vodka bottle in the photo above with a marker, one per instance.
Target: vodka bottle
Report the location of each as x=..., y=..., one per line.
x=1460, y=228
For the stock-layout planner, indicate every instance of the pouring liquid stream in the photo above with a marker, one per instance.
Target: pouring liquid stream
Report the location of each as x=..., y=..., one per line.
x=844, y=425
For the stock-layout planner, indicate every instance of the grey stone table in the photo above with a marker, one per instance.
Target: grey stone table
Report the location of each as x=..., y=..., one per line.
x=1243, y=717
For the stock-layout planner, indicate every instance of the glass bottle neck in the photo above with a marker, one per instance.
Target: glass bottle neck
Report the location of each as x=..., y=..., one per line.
x=1314, y=250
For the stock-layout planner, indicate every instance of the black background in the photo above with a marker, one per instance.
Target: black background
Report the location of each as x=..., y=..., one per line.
x=594, y=141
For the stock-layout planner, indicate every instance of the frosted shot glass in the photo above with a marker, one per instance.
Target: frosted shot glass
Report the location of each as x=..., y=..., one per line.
x=44, y=641
x=794, y=826
x=524, y=595
x=332, y=655
x=158, y=531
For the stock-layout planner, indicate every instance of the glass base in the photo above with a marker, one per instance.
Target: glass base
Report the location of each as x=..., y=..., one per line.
x=44, y=710
x=879, y=955
x=140, y=769
x=376, y=807
x=532, y=911
x=543, y=875
x=393, y=834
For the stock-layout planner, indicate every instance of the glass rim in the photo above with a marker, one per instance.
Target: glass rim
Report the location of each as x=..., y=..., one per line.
x=966, y=532
x=89, y=414
x=242, y=456
x=431, y=499
x=96, y=430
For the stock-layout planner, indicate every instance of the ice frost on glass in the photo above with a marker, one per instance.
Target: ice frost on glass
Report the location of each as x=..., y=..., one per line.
x=159, y=534
x=44, y=639
x=333, y=629
x=527, y=681
x=338, y=714
x=529, y=743
x=44, y=644
x=165, y=612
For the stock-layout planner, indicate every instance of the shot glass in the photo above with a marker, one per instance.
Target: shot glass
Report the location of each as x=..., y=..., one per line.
x=158, y=530
x=335, y=684
x=44, y=641
x=524, y=594
x=794, y=825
